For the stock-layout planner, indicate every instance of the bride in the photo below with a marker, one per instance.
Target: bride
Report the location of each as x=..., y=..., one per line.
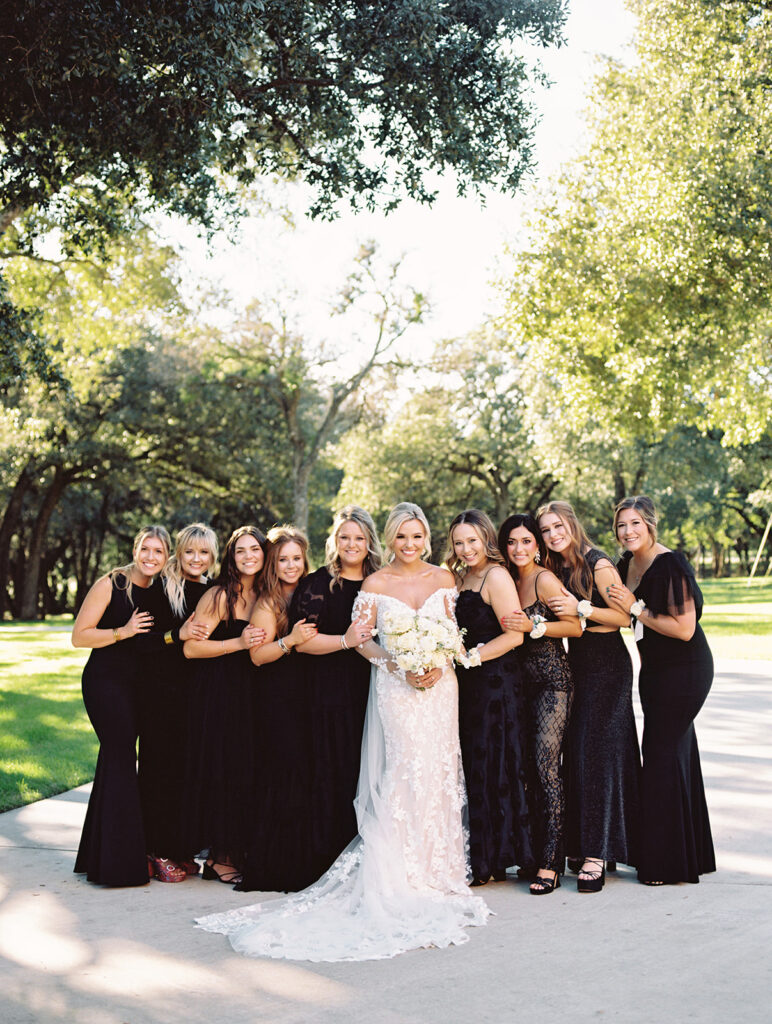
x=402, y=882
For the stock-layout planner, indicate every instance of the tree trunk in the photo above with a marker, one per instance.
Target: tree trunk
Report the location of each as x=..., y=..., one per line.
x=31, y=581
x=718, y=559
x=11, y=518
x=300, y=497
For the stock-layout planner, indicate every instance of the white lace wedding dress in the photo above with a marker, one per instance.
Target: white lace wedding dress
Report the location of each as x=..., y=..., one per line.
x=401, y=884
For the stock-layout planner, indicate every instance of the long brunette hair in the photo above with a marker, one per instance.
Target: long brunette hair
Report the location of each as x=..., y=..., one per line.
x=270, y=591
x=580, y=578
x=228, y=581
x=528, y=522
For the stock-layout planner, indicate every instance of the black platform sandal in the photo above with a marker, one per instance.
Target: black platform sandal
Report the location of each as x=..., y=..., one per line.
x=541, y=885
x=595, y=879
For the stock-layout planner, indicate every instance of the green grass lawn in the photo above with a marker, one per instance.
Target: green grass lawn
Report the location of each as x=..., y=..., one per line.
x=47, y=745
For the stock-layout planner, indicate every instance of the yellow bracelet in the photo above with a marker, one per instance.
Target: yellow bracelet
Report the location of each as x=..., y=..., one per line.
x=168, y=638
x=116, y=636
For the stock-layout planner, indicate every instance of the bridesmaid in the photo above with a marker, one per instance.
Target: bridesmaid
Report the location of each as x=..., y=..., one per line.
x=337, y=683
x=603, y=759
x=219, y=790
x=279, y=852
x=164, y=727
x=491, y=703
x=661, y=593
x=114, y=613
x=548, y=684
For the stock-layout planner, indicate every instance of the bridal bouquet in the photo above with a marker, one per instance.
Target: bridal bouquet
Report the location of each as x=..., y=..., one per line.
x=419, y=643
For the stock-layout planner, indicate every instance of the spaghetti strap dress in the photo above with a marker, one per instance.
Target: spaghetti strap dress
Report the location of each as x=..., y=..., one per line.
x=219, y=793
x=602, y=752
x=548, y=691
x=112, y=848
x=676, y=677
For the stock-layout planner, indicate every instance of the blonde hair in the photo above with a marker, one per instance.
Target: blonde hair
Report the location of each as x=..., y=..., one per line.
x=486, y=531
x=580, y=578
x=172, y=575
x=124, y=571
x=363, y=519
x=403, y=513
x=645, y=507
x=269, y=590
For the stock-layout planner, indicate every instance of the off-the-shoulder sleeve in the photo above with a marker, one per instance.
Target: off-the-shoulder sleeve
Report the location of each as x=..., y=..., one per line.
x=309, y=597
x=669, y=586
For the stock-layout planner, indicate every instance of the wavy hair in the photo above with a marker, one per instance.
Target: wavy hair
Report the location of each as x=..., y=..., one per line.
x=270, y=588
x=403, y=513
x=374, y=556
x=228, y=580
x=485, y=530
x=580, y=578
x=123, y=572
x=644, y=506
x=528, y=522
x=172, y=574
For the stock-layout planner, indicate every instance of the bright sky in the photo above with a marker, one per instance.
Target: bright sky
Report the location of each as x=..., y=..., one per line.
x=450, y=248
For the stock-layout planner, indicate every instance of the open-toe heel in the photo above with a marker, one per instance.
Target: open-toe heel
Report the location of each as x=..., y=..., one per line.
x=541, y=885
x=227, y=877
x=595, y=878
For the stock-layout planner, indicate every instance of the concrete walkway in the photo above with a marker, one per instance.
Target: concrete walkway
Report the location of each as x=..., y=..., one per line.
x=72, y=952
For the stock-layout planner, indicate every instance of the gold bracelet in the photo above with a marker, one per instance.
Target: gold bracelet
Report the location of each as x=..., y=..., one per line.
x=168, y=638
x=116, y=636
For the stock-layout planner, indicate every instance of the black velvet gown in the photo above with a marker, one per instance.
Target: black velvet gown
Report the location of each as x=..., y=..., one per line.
x=163, y=738
x=676, y=677
x=112, y=848
x=337, y=686
x=548, y=690
x=219, y=791
x=494, y=744
x=602, y=757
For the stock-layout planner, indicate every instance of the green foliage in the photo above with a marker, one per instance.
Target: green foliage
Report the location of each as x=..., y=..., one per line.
x=644, y=300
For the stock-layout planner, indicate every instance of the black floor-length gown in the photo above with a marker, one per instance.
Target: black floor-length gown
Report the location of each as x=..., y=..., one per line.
x=337, y=685
x=163, y=738
x=112, y=848
x=676, y=677
x=279, y=856
x=494, y=744
x=548, y=690
x=602, y=758
x=219, y=791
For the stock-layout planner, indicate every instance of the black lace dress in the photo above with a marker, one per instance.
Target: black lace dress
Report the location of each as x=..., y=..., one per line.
x=112, y=848
x=494, y=744
x=602, y=754
x=676, y=677
x=163, y=735
x=548, y=689
x=219, y=793
x=337, y=685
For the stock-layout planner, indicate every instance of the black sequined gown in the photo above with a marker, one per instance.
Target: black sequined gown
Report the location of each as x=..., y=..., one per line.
x=548, y=688
x=676, y=677
x=112, y=848
x=602, y=753
x=494, y=744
